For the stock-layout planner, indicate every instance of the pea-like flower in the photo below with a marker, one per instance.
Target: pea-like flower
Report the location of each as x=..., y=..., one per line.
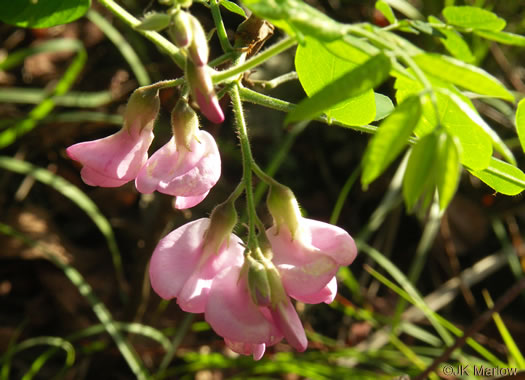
x=246, y=327
x=308, y=261
x=187, y=174
x=185, y=264
x=115, y=160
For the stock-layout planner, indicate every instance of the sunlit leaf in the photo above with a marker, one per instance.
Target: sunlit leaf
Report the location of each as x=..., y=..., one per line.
x=476, y=144
x=447, y=169
x=43, y=13
x=473, y=18
x=385, y=9
x=502, y=37
x=453, y=42
x=352, y=83
x=390, y=139
x=318, y=67
x=232, y=7
x=420, y=172
x=520, y=123
x=297, y=18
x=462, y=74
x=502, y=177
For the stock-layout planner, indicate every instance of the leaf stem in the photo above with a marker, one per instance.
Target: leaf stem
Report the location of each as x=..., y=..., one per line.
x=221, y=31
x=234, y=71
x=155, y=37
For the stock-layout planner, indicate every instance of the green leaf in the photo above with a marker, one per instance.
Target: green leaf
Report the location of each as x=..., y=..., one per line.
x=453, y=42
x=297, y=18
x=385, y=9
x=420, y=172
x=352, y=83
x=43, y=13
x=318, y=67
x=232, y=7
x=390, y=139
x=384, y=106
x=473, y=18
x=476, y=146
x=502, y=177
x=471, y=113
x=448, y=169
x=154, y=21
x=462, y=74
x=520, y=122
x=502, y=37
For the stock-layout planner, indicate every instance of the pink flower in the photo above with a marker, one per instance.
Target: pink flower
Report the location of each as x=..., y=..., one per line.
x=182, y=267
x=247, y=328
x=309, y=262
x=187, y=174
x=114, y=160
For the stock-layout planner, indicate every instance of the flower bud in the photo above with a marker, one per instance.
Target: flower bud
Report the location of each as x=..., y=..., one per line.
x=142, y=109
x=258, y=283
x=184, y=3
x=180, y=30
x=185, y=123
x=284, y=208
x=198, y=50
x=223, y=220
x=201, y=86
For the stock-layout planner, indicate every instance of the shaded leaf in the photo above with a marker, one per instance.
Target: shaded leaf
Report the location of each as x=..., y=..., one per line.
x=462, y=74
x=502, y=177
x=473, y=18
x=318, y=67
x=420, y=172
x=353, y=83
x=154, y=21
x=391, y=137
x=448, y=169
x=43, y=13
x=384, y=106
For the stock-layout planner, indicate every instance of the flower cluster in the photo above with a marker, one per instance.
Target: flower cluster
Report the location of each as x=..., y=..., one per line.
x=245, y=293
x=187, y=167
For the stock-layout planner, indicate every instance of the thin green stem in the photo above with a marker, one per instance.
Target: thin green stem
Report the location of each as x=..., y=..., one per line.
x=221, y=31
x=343, y=195
x=255, y=61
x=269, y=84
x=154, y=37
x=247, y=163
x=177, y=340
x=282, y=105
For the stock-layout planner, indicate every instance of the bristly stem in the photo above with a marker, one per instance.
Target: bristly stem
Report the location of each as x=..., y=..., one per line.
x=221, y=31
x=247, y=164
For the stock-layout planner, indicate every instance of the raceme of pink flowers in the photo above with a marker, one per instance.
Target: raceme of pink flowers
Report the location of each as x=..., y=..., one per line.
x=215, y=283
x=186, y=172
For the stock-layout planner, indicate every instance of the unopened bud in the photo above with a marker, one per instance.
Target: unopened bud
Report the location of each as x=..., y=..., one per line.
x=201, y=86
x=181, y=31
x=198, y=50
x=155, y=21
x=258, y=283
x=185, y=123
x=284, y=208
x=142, y=109
x=184, y=3
x=222, y=221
